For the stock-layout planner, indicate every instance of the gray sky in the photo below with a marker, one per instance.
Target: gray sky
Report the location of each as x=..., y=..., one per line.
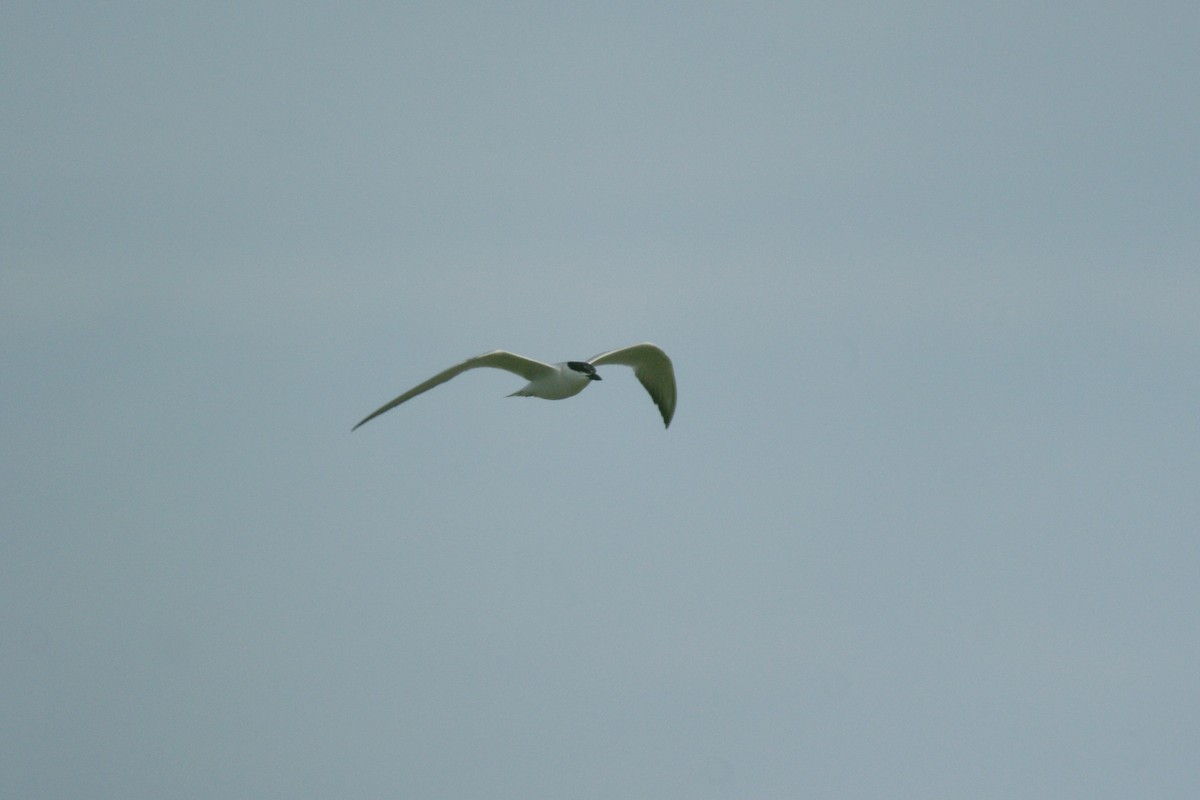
x=925, y=524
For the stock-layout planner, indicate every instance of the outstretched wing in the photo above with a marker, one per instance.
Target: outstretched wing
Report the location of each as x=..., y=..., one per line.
x=527, y=368
x=652, y=367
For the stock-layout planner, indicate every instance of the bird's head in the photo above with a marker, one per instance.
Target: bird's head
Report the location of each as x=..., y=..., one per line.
x=584, y=367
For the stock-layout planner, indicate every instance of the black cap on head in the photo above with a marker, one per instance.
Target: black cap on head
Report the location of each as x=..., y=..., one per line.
x=585, y=368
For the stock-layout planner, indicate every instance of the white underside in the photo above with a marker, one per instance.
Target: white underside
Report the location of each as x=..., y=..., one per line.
x=564, y=382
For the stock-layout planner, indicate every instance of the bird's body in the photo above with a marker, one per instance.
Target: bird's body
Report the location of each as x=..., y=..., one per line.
x=566, y=379
x=562, y=382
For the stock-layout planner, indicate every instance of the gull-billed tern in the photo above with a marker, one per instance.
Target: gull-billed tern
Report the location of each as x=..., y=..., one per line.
x=650, y=365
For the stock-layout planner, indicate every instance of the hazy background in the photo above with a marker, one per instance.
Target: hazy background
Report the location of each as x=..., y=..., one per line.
x=925, y=525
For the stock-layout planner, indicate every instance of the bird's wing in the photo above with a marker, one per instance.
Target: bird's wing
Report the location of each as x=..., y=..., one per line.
x=527, y=368
x=652, y=367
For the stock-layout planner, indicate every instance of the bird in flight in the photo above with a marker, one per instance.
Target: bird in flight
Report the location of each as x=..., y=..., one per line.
x=650, y=365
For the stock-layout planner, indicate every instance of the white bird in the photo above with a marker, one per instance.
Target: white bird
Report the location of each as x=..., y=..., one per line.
x=650, y=365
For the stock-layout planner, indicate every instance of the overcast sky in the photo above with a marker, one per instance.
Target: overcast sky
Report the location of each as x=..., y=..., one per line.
x=925, y=523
